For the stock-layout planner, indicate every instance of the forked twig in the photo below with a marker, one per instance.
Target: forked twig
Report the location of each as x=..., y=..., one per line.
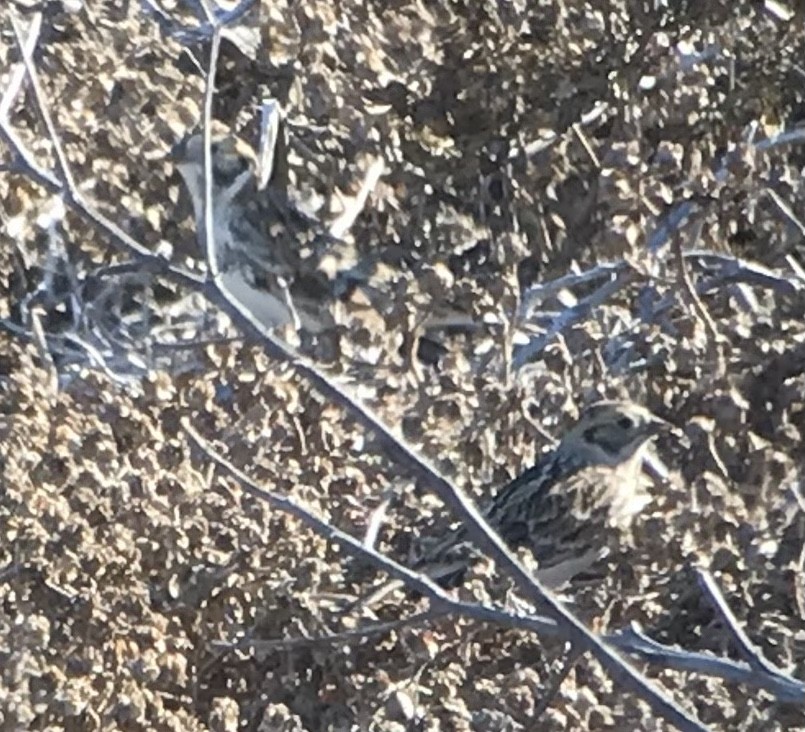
x=754, y=657
x=539, y=292
x=633, y=640
x=569, y=661
x=571, y=316
x=345, y=636
x=62, y=183
x=19, y=71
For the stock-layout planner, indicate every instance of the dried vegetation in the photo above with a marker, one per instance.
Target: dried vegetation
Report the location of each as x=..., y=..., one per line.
x=579, y=200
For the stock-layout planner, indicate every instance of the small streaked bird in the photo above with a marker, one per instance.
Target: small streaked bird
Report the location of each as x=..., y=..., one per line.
x=568, y=509
x=262, y=241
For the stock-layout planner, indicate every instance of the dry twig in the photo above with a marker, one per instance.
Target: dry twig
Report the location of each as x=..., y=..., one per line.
x=753, y=655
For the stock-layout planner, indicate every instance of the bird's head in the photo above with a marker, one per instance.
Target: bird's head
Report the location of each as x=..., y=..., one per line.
x=613, y=432
x=232, y=164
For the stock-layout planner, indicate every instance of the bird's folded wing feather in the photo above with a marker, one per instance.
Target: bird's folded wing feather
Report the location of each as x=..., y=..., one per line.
x=560, y=513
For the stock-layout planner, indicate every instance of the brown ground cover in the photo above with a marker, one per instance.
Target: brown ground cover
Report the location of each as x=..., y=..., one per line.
x=521, y=145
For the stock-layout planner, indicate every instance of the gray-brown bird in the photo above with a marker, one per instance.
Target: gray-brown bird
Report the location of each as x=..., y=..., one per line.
x=263, y=242
x=568, y=506
x=272, y=250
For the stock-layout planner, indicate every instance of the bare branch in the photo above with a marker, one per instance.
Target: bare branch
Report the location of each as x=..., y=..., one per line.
x=211, y=18
x=271, y=128
x=631, y=641
x=210, y=248
x=354, y=204
x=786, y=210
x=784, y=688
x=539, y=292
x=62, y=183
x=666, y=228
x=26, y=51
x=752, y=654
x=567, y=625
x=571, y=316
x=688, y=288
x=27, y=45
x=726, y=268
x=569, y=661
x=376, y=521
x=345, y=636
x=414, y=580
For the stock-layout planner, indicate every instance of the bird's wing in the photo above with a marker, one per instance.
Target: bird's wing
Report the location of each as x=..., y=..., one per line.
x=558, y=510
x=565, y=520
x=446, y=559
x=569, y=527
x=529, y=488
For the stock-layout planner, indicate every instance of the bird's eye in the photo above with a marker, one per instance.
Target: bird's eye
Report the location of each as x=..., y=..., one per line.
x=626, y=423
